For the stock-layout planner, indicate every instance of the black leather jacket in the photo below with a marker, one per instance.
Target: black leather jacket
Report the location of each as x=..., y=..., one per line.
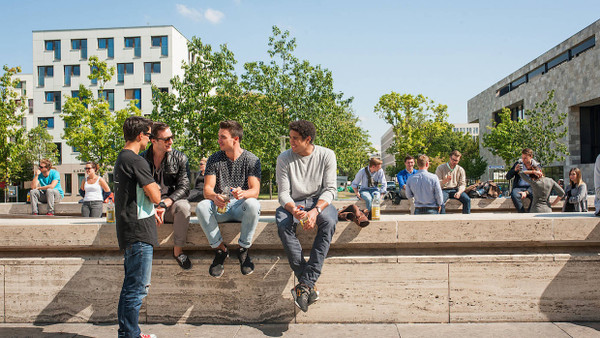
x=176, y=173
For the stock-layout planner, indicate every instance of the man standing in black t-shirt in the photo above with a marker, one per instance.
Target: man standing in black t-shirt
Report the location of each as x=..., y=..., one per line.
x=136, y=192
x=231, y=187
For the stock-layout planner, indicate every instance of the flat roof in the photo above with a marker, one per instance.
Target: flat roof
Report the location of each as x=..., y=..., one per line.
x=105, y=28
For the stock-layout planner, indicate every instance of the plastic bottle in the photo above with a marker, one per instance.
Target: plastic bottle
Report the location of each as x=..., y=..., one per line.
x=376, y=207
x=304, y=219
x=110, y=211
x=226, y=195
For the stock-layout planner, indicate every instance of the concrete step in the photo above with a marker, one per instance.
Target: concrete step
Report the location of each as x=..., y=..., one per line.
x=268, y=206
x=403, y=269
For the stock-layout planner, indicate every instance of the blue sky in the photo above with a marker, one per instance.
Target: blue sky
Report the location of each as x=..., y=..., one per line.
x=447, y=50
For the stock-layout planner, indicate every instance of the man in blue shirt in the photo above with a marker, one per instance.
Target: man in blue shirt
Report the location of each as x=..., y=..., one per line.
x=402, y=176
x=370, y=179
x=425, y=188
x=45, y=187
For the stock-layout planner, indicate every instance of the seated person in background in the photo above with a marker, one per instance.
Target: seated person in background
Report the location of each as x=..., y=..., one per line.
x=453, y=180
x=425, y=188
x=93, y=185
x=370, y=179
x=521, y=189
x=575, y=193
x=45, y=187
x=402, y=176
x=541, y=186
x=197, y=194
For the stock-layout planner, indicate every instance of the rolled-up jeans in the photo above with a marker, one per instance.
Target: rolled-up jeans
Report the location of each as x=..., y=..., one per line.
x=306, y=272
x=138, y=270
x=50, y=196
x=246, y=210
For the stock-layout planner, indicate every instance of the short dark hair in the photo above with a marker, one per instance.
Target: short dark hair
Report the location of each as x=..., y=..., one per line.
x=94, y=165
x=134, y=125
x=157, y=127
x=304, y=128
x=408, y=157
x=527, y=151
x=234, y=127
x=455, y=153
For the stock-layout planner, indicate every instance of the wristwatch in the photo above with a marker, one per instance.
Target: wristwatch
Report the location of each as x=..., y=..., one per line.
x=318, y=210
x=161, y=204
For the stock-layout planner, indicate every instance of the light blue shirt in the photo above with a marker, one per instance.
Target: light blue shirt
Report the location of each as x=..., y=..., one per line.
x=52, y=175
x=425, y=188
x=362, y=180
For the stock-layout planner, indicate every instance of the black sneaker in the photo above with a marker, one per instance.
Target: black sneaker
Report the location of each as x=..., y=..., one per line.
x=216, y=268
x=313, y=296
x=246, y=265
x=301, y=294
x=184, y=261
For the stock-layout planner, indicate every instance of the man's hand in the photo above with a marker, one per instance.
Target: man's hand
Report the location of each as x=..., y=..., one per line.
x=312, y=219
x=219, y=201
x=159, y=215
x=168, y=202
x=238, y=193
x=523, y=194
x=519, y=167
x=358, y=195
x=457, y=195
x=298, y=212
x=447, y=178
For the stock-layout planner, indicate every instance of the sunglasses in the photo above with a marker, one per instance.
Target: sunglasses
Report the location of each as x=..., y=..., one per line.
x=166, y=139
x=147, y=133
x=88, y=168
x=42, y=167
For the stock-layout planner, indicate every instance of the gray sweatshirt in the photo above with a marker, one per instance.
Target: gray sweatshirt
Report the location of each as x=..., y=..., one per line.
x=303, y=177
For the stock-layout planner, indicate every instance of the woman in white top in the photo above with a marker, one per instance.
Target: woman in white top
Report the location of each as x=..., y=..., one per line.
x=93, y=185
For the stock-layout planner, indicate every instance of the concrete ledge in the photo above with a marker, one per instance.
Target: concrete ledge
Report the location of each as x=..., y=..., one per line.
x=393, y=231
x=404, y=269
x=268, y=207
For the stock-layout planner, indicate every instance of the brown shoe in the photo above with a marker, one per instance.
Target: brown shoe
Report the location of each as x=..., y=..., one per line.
x=360, y=219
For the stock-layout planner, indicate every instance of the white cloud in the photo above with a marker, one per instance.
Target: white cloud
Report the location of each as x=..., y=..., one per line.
x=214, y=15
x=190, y=13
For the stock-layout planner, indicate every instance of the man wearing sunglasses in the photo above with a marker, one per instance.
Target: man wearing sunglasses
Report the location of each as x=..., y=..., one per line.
x=45, y=187
x=171, y=172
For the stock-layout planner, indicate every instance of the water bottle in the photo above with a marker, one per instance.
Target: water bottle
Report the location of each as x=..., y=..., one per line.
x=226, y=195
x=376, y=207
x=110, y=211
x=304, y=220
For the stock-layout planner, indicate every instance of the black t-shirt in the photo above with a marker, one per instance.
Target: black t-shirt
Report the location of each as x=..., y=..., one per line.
x=133, y=209
x=230, y=173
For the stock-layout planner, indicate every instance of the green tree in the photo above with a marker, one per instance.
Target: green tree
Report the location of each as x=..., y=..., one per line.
x=420, y=125
x=37, y=145
x=207, y=94
x=91, y=127
x=543, y=130
x=12, y=108
x=290, y=89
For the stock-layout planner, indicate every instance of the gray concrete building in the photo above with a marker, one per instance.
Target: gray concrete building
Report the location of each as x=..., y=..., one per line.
x=572, y=70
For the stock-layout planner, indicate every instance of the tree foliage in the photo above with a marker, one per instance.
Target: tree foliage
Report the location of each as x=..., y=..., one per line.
x=421, y=127
x=12, y=108
x=290, y=89
x=207, y=94
x=543, y=130
x=91, y=127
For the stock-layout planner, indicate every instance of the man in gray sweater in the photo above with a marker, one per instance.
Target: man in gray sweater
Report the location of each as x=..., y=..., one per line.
x=306, y=178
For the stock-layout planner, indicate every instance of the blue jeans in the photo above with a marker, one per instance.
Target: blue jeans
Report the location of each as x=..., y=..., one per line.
x=138, y=269
x=426, y=211
x=306, y=272
x=515, y=196
x=464, y=199
x=246, y=210
x=367, y=195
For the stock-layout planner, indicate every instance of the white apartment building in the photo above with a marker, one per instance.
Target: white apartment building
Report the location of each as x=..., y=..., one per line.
x=141, y=56
x=467, y=128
